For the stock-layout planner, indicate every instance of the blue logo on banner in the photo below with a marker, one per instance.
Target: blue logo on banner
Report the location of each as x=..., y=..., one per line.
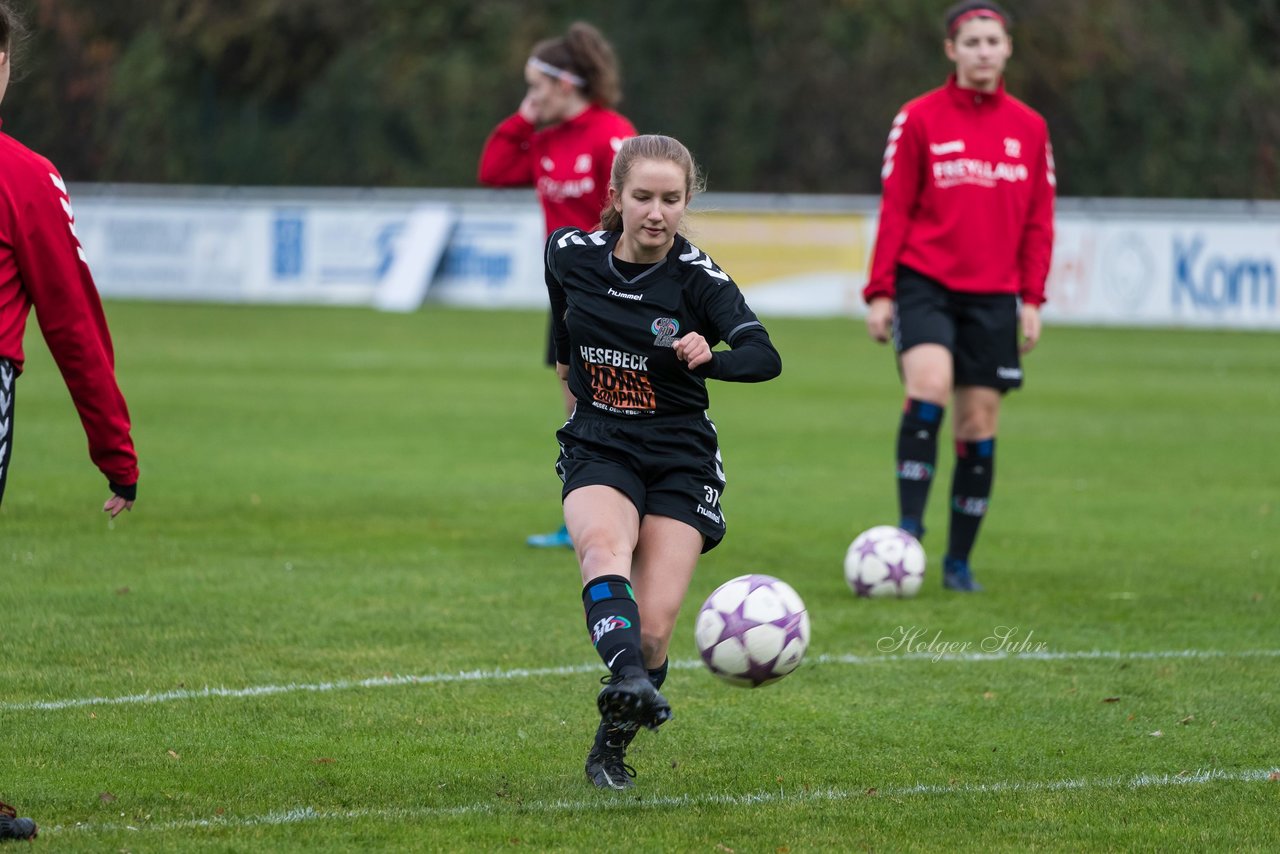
x=387, y=247
x=1218, y=282
x=467, y=260
x=287, y=254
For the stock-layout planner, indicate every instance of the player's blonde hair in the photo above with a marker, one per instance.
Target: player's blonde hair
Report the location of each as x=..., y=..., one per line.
x=664, y=149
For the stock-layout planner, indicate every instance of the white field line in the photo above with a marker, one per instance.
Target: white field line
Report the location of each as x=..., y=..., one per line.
x=536, y=673
x=301, y=815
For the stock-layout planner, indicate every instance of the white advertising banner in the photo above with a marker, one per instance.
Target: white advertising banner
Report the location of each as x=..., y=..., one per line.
x=1211, y=265
x=1165, y=273
x=262, y=251
x=1212, y=271
x=494, y=260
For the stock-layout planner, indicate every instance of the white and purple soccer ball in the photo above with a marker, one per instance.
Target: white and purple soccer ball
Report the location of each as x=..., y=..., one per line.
x=884, y=561
x=752, y=630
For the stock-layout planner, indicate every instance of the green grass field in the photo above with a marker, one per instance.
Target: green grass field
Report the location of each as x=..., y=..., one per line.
x=329, y=537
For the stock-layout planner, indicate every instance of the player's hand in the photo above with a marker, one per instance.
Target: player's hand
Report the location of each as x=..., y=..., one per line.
x=692, y=349
x=1030, y=327
x=527, y=110
x=879, y=318
x=562, y=371
x=115, y=504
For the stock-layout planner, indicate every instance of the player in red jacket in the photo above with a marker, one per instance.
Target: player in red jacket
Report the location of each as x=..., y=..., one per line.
x=562, y=142
x=43, y=266
x=965, y=234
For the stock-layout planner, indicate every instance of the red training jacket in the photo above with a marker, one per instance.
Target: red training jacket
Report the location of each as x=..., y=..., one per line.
x=968, y=192
x=43, y=266
x=568, y=163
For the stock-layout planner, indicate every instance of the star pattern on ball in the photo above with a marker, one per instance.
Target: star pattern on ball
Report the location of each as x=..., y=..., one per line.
x=867, y=548
x=897, y=572
x=862, y=588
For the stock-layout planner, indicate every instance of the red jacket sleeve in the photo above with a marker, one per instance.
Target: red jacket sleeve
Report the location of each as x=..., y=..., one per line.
x=57, y=280
x=506, y=160
x=900, y=183
x=1036, y=250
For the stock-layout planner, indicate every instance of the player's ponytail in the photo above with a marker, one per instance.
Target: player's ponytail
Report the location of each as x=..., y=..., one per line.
x=588, y=60
x=649, y=147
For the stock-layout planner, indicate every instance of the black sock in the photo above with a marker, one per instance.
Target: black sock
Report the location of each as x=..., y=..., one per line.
x=658, y=675
x=613, y=619
x=917, y=456
x=970, y=493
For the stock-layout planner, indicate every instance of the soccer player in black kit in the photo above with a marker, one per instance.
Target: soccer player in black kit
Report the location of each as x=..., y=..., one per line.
x=637, y=309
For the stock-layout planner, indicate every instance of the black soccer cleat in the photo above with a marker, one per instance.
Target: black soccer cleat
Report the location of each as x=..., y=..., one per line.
x=12, y=827
x=606, y=768
x=956, y=575
x=629, y=698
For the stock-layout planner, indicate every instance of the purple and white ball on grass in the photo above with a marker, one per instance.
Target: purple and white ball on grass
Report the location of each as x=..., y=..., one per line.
x=884, y=561
x=752, y=630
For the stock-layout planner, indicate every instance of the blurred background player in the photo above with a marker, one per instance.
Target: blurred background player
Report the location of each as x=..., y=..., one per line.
x=636, y=311
x=966, y=230
x=562, y=141
x=43, y=266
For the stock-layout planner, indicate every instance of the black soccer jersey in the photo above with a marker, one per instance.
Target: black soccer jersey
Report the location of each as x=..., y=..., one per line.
x=616, y=332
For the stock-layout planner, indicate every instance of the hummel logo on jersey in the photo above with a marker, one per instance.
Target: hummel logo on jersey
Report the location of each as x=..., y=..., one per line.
x=621, y=295
x=71, y=217
x=698, y=257
x=575, y=237
x=955, y=146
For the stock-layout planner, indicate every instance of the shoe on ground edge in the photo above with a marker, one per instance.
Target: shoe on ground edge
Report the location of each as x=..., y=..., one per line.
x=555, y=540
x=606, y=768
x=629, y=699
x=956, y=575
x=12, y=827
x=913, y=527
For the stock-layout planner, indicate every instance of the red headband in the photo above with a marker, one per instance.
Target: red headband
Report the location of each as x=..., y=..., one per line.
x=976, y=13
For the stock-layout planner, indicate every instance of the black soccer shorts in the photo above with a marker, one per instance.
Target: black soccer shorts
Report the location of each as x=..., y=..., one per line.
x=667, y=465
x=980, y=330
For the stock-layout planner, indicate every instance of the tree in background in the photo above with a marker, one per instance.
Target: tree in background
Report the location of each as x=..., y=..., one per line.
x=1163, y=100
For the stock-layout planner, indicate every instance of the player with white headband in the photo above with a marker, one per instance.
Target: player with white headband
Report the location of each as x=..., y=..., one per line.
x=562, y=142
x=961, y=258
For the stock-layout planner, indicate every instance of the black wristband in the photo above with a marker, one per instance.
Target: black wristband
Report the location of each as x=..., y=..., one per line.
x=128, y=493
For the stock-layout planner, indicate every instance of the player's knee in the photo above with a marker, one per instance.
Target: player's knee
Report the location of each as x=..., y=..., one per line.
x=930, y=389
x=601, y=548
x=975, y=425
